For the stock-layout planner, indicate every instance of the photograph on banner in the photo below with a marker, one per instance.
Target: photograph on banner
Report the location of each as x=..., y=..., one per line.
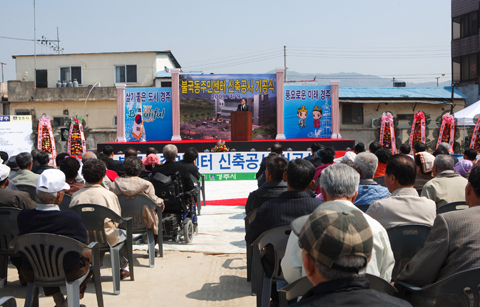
x=148, y=114
x=16, y=133
x=229, y=165
x=207, y=101
x=307, y=111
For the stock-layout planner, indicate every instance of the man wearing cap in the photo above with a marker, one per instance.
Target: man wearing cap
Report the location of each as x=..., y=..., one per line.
x=47, y=218
x=339, y=184
x=404, y=206
x=25, y=174
x=336, y=247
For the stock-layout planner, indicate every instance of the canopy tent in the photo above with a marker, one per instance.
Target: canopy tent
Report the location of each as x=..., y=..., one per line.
x=465, y=117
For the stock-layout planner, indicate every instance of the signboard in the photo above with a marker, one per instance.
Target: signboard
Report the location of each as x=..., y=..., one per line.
x=230, y=165
x=307, y=111
x=15, y=134
x=207, y=101
x=148, y=114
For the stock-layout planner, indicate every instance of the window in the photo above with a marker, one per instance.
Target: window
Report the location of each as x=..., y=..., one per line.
x=60, y=120
x=71, y=73
x=352, y=113
x=405, y=116
x=125, y=73
x=465, y=25
x=115, y=121
x=22, y=112
x=41, y=78
x=166, y=84
x=465, y=67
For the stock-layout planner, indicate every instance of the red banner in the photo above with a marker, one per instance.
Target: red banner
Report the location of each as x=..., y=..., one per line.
x=387, y=132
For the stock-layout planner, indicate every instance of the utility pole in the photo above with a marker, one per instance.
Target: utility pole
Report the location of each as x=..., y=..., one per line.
x=2, y=70
x=58, y=41
x=34, y=46
x=437, y=80
x=452, y=106
x=393, y=81
x=285, y=62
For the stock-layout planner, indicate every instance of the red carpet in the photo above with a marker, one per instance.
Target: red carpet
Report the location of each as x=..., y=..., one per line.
x=227, y=202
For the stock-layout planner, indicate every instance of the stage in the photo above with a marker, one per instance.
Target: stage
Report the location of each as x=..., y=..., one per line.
x=257, y=144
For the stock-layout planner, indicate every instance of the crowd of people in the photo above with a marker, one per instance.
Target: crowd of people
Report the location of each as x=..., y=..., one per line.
x=340, y=210
x=91, y=179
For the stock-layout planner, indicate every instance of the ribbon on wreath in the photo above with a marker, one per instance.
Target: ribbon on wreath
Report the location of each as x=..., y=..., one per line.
x=475, y=142
x=76, y=138
x=46, y=141
x=447, y=131
x=387, y=132
x=417, y=134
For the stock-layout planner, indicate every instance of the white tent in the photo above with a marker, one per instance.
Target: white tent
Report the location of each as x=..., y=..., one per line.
x=465, y=116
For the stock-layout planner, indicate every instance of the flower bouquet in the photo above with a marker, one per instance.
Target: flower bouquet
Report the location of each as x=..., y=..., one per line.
x=387, y=132
x=447, y=131
x=418, y=133
x=220, y=147
x=76, y=139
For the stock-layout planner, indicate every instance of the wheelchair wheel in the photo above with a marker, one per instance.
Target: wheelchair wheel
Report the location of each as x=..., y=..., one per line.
x=188, y=231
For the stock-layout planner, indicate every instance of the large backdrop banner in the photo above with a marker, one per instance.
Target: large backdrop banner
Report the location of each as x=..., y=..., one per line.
x=307, y=111
x=207, y=101
x=148, y=114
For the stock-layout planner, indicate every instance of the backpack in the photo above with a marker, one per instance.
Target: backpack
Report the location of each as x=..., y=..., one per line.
x=164, y=186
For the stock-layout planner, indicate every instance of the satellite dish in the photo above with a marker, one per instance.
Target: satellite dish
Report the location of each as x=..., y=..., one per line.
x=475, y=118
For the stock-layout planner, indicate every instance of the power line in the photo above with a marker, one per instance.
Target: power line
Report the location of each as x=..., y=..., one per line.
x=18, y=39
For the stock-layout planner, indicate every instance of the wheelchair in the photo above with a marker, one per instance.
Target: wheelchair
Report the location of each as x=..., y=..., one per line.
x=180, y=214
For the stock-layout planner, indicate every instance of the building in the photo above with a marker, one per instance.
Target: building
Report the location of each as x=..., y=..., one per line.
x=95, y=97
x=466, y=47
x=362, y=107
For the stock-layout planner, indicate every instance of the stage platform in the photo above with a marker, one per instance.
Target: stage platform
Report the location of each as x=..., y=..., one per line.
x=258, y=145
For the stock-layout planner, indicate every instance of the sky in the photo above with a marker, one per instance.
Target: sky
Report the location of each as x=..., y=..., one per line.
x=408, y=39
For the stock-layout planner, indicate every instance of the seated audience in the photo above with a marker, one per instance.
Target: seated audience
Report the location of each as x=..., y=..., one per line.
x=314, y=159
x=405, y=149
x=130, y=152
x=189, y=157
x=463, y=167
x=443, y=149
x=446, y=186
x=94, y=193
x=34, y=154
x=359, y=148
x=335, y=248
x=274, y=185
x=4, y=157
x=368, y=190
x=170, y=167
x=25, y=174
x=151, y=150
x=470, y=154
x=149, y=162
x=47, y=218
x=404, y=206
x=453, y=244
x=60, y=157
x=339, y=186
x=374, y=146
x=419, y=147
x=92, y=156
x=349, y=156
x=113, y=165
x=132, y=185
x=12, y=163
x=70, y=166
x=43, y=158
x=276, y=149
x=383, y=155
x=424, y=162
x=327, y=155
x=112, y=175
x=288, y=205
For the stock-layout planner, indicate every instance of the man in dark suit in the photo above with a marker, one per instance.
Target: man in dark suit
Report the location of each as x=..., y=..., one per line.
x=43, y=158
x=314, y=159
x=189, y=157
x=170, y=167
x=274, y=186
x=242, y=106
x=453, y=244
x=276, y=149
x=113, y=165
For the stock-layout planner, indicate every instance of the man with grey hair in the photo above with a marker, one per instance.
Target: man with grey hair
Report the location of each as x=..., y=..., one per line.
x=25, y=174
x=170, y=167
x=89, y=155
x=446, y=186
x=368, y=191
x=339, y=184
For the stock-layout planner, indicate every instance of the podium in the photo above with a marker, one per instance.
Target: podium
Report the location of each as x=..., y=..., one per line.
x=241, y=126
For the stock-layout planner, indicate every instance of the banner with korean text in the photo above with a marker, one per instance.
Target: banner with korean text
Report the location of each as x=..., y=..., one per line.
x=307, y=111
x=207, y=101
x=148, y=114
x=16, y=133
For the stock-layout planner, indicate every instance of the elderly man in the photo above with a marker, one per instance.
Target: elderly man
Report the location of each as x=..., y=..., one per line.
x=419, y=147
x=314, y=159
x=336, y=247
x=93, y=193
x=91, y=156
x=25, y=174
x=43, y=158
x=453, y=244
x=70, y=167
x=113, y=165
x=404, y=206
x=339, y=184
x=189, y=157
x=368, y=191
x=274, y=186
x=276, y=149
x=446, y=186
x=47, y=218
x=170, y=167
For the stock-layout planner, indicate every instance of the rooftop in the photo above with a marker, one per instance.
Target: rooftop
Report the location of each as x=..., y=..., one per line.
x=400, y=92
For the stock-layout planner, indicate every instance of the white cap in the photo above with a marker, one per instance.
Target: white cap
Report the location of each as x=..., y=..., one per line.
x=4, y=172
x=52, y=181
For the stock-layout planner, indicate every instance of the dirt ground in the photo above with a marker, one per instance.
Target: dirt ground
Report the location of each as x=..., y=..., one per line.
x=178, y=279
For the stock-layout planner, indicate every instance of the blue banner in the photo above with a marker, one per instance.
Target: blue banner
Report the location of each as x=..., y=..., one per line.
x=148, y=114
x=307, y=111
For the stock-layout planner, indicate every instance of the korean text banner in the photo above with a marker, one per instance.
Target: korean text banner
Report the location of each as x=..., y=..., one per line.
x=307, y=111
x=207, y=101
x=148, y=114
x=15, y=133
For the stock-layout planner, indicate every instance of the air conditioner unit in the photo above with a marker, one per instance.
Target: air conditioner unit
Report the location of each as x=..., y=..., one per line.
x=375, y=122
